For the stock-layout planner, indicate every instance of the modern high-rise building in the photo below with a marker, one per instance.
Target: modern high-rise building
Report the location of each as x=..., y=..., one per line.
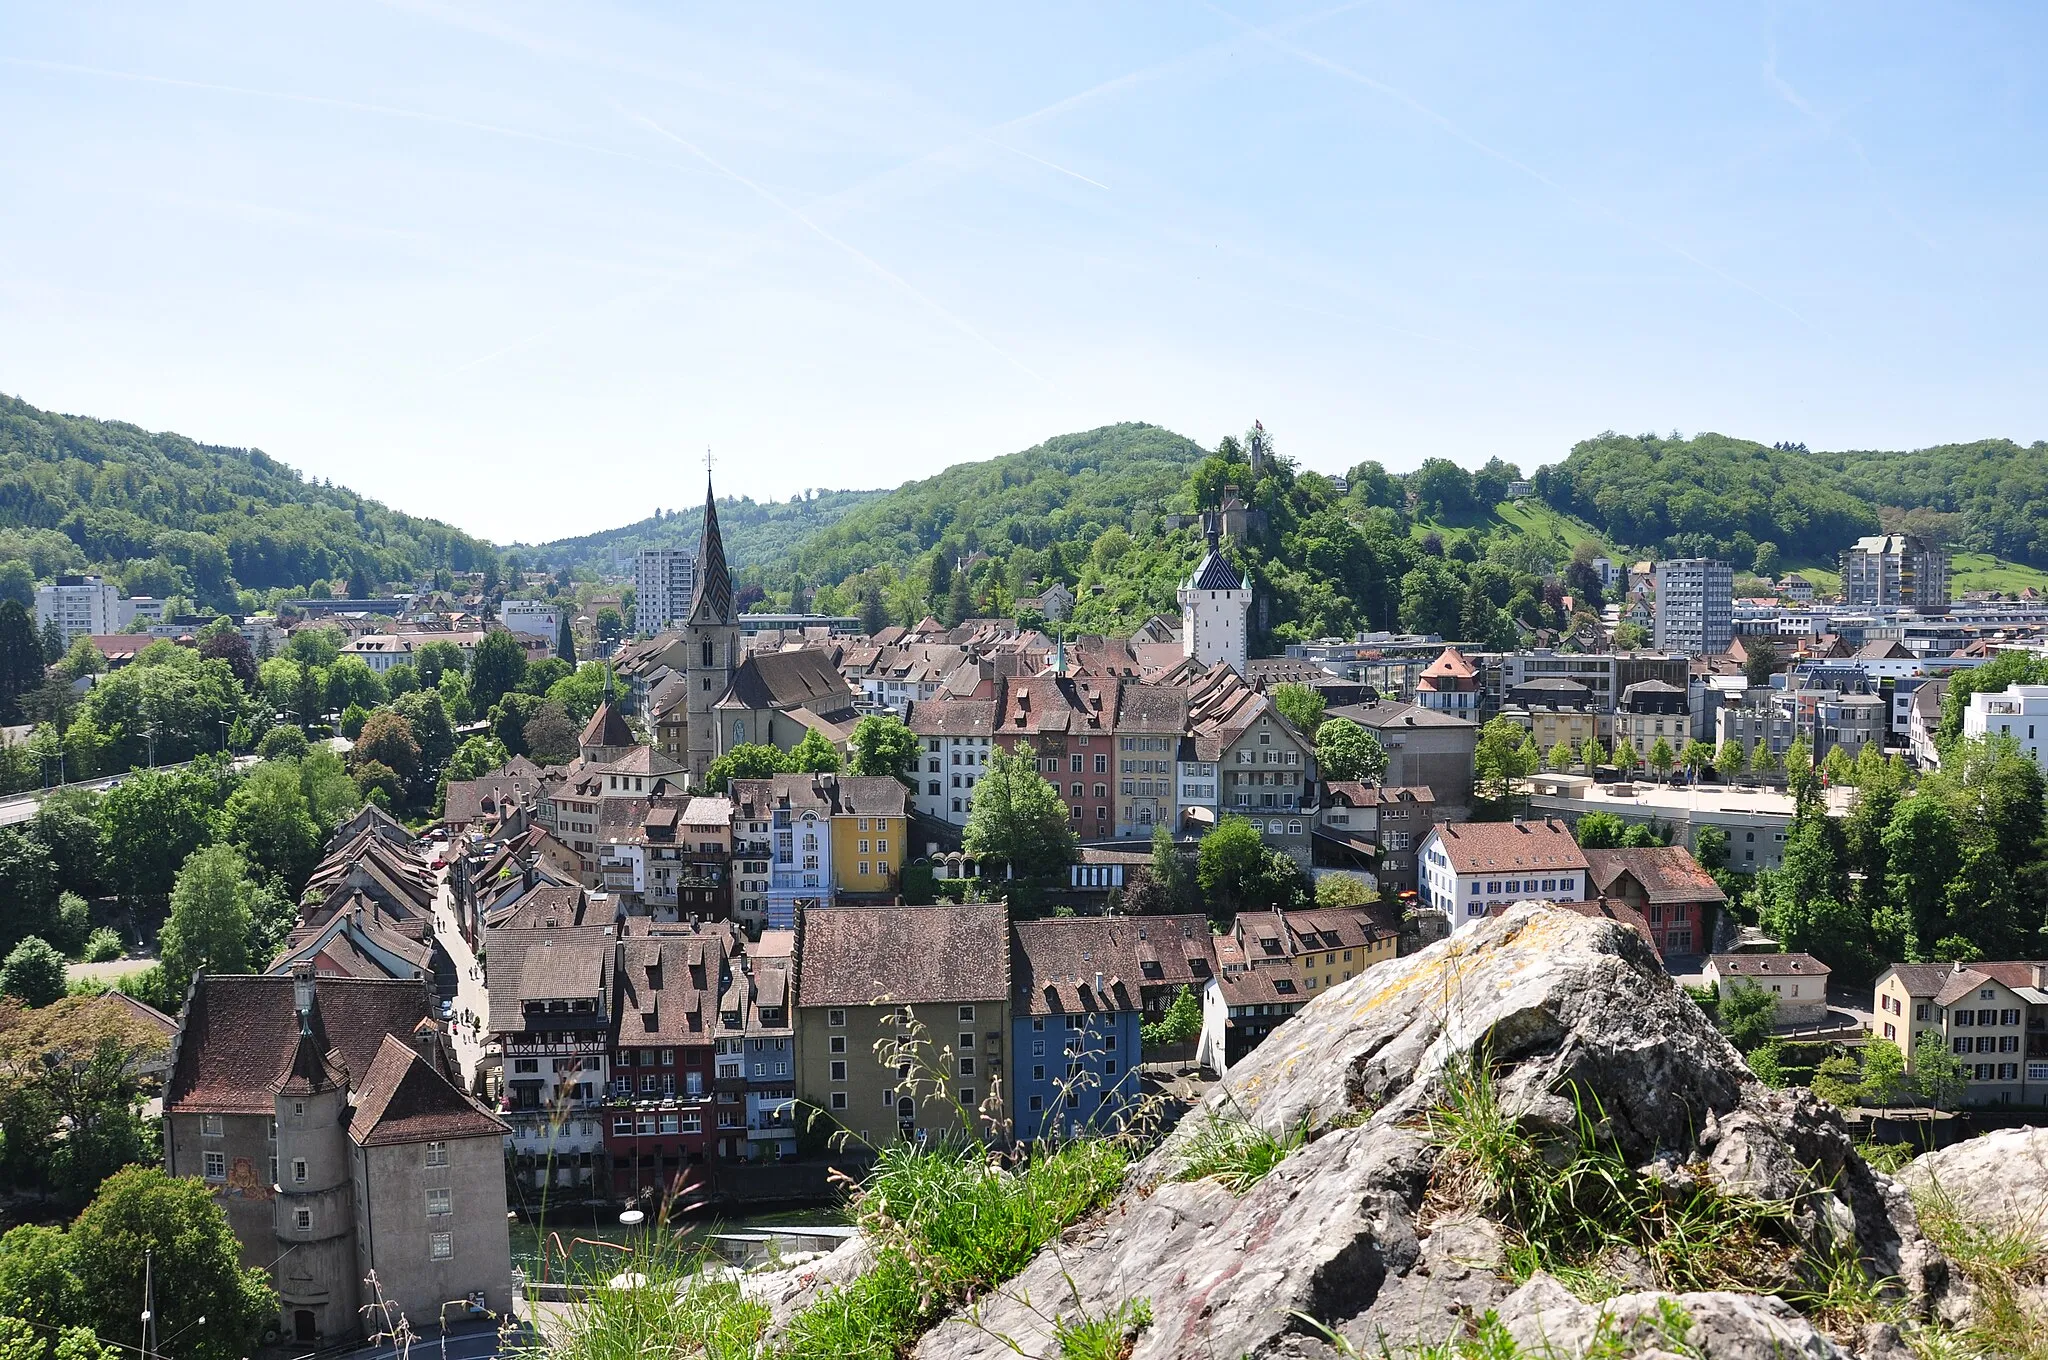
x=1695, y=606
x=664, y=583
x=1895, y=569
x=80, y=605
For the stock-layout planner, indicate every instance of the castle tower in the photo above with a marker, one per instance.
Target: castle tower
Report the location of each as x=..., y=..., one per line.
x=711, y=638
x=1213, y=607
x=317, y=1272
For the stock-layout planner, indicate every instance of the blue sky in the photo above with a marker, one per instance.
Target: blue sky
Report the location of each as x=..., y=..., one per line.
x=517, y=267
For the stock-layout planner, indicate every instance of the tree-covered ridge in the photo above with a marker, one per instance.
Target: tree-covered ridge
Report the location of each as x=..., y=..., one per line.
x=1069, y=488
x=1723, y=496
x=165, y=515
x=754, y=531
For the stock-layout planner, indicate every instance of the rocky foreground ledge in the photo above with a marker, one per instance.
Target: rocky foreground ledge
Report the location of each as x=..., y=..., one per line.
x=1359, y=1242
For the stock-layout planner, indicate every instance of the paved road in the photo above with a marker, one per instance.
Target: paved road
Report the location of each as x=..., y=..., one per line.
x=468, y=1341
x=472, y=1002
x=21, y=807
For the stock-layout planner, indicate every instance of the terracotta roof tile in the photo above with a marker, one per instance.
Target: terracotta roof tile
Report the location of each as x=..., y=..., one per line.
x=402, y=1099
x=852, y=956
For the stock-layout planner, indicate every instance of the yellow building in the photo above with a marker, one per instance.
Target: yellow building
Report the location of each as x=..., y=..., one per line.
x=870, y=836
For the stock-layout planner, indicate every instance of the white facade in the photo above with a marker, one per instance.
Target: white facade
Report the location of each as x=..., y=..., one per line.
x=80, y=605
x=948, y=767
x=1695, y=606
x=2020, y=712
x=664, y=581
x=1465, y=898
x=1214, y=604
x=380, y=651
x=536, y=618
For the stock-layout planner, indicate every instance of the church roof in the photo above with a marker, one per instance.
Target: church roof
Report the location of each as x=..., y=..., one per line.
x=607, y=727
x=1215, y=572
x=714, y=582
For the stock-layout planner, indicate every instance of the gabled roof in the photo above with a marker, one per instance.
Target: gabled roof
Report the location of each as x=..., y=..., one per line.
x=1667, y=873
x=1059, y=960
x=607, y=727
x=952, y=717
x=805, y=678
x=240, y=1036
x=546, y=965
x=1353, y=793
x=1389, y=713
x=1922, y=979
x=1450, y=664
x=1768, y=965
x=854, y=956
x=402, y=1099
x=1504, y=847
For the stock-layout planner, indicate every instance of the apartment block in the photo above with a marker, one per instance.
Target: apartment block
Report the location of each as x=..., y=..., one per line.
x=1695, y=606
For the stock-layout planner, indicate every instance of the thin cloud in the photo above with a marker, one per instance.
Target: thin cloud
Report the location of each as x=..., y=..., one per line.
x=1416, y=106
x=861, y=257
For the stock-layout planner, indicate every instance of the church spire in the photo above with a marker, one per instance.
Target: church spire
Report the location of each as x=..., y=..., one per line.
x=714, y=582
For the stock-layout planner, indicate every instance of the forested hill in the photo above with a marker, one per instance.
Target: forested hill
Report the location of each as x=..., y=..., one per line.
x=1722, y=496
x=165, y=515
x=754, y=532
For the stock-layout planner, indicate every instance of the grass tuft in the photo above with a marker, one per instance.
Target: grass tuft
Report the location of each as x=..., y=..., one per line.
x=1110, y=1337
x=1236, y=1150
x=2005, y=1265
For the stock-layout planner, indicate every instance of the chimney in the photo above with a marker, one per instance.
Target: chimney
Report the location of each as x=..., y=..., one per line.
x=302, y=989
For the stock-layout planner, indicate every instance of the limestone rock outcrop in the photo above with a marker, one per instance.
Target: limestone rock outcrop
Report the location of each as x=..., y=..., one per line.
x=1573, y=1015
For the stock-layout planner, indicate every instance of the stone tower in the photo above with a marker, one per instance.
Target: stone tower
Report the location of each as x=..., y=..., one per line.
x=711, y=638
x=317, y=1271
x=1213, y=607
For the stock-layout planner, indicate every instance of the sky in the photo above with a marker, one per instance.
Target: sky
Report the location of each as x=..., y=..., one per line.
x=519, y=267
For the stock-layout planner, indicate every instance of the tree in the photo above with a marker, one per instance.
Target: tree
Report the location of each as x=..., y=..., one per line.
x=33, y=973
x=813, y=755
x=1345, y=750
x=1299, y=704
x=1238, y=872
x=1017, y=817
x=1710, y=848
x=1170, y=873
x=1501, y=759
x=565, y=639
x=210, y=917
x=1560, y=757
x=81, y=659
x=1181, y=1022
x=496, y=668
x=1600, y=831
x=1696, y=757
x=1765, y=562
x=21, y=659
x=883, y=746
x=1662, y=758
x=1748, y=1015
x=551, y=737
x=1938, y=1075
x=1344, y=890
x=508, y=718
x=222, y=641
x=610, y=624
x=151, y=823
x=1730, y=761
x=67, y=825
x=1592, y=755
x=351, y=681
x=476, y=758
x=70, y=1093
x=748, y=760
x=1630, y=636
x=378, y=783
x=193, y=1260
x=874, y=610
x=388, y=739
x=268, y=821
x=282, y=743
x=1763, y=760
x=580, y=692
x=1838, y=1080
x=1761, y=660
x=1884, y=1071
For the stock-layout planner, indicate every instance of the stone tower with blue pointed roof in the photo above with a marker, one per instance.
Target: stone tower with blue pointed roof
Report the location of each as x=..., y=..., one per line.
x=1214, y=605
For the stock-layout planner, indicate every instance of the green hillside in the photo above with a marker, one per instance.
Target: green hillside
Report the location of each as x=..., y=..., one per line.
x=755, y=532
x=1721, y=496
x=165, y=515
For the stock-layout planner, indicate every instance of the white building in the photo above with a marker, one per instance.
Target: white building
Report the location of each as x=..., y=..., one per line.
x=1213, y=608
x=1468, y=868
x=2020, y=712
x=664, y=584
x=1695, y=606
x=536, y=618
x=380, y=651
x=80, y=605
x=954, y=740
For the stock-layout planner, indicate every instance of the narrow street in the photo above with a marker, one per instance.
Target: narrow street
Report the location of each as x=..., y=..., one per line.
x=472, y=1003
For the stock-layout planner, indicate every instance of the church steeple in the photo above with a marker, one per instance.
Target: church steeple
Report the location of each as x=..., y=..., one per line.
x=714, y=582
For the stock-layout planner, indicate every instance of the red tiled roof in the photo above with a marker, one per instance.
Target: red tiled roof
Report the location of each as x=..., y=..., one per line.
x=1668, y=873
x=1488, y=847
x=852, y=956
x=240, y=1034
x=402, y=1099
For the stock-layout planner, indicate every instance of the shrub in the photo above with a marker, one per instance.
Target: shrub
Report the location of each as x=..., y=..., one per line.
x=33, y=973
x=104, y=945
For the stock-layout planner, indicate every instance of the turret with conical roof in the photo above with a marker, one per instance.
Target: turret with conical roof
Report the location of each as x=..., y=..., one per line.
x=713, y=602
x=1214, y=603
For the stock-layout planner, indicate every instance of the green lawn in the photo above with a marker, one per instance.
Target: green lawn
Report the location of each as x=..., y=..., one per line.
x=1528, y=515
x=1982, y=571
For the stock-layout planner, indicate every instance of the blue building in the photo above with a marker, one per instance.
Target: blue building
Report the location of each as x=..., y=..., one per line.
x=1074, y=1024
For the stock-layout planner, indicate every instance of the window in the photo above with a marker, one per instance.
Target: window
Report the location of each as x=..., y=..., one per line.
x=622, y=1123
x=303, y=1220
x=838, y=1043
x=210, y=1125
x=441, y=1246
x=2008, y=1071
x=967, y=1096
x=440, y=1201
x=1962, y=1045
x=437, y=1154
x=966, y=1066
x=836, y=1019
x=2010, y=1017
x=216, y=1166
x=839, y=1070
x=1077, y=763
x=299, y=1170
x=1987, y=1044
x=839, y=1100
x=1987, y=1016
